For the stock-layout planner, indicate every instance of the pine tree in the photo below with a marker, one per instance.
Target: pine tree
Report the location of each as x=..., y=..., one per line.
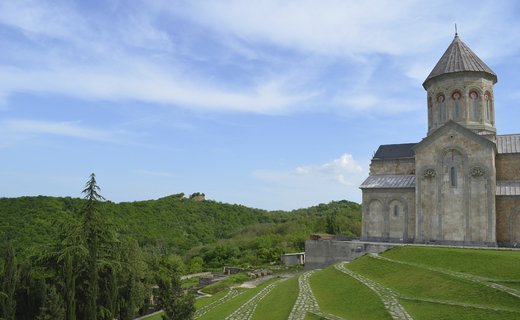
x=91, y=229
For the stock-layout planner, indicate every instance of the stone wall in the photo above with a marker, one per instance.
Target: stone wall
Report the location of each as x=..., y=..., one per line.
x=322, y=253
x=389, y=215
x=393, y=166
x=508, y=166
x=508, y=220
x=455, y=188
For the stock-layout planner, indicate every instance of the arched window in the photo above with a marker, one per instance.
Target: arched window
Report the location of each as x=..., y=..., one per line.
x=442, y=108
x=430, y=113
x=487, y=100
x=453, y=176
x=456, y=105
x=474, y=105
x=396, y=210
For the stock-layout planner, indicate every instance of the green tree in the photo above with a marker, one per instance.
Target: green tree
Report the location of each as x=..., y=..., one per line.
x=91, y=230
x=53, y=308
x=332, y=223
x=176, y=304
x=62, y=262
x=9, y=280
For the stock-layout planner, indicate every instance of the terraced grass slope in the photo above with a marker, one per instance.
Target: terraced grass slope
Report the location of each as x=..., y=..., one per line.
x=402, y=283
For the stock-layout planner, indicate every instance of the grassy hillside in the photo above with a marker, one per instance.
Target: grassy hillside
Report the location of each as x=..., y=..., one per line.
x=413, y=282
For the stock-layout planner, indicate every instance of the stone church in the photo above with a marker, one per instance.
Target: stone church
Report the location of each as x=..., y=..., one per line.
x=460, y=185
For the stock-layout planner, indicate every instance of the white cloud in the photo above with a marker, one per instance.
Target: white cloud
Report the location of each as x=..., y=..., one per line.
x=16, y=129
x=345, y=27
x=152, y=85
x=129, y=52
x=341, y=170
x=311, y=184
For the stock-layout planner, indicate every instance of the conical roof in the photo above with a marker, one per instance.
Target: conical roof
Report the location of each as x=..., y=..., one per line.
x=459, y=58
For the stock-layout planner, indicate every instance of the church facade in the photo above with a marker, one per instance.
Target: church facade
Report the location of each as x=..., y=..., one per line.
x=460, y=185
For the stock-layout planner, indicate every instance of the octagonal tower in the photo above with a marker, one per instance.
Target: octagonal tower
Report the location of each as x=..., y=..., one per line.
x=460, y=88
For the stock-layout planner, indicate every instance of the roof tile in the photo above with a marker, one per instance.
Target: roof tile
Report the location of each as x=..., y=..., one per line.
x=508, y=188
x=458, y=58
x=388, y=181
x=509, y=143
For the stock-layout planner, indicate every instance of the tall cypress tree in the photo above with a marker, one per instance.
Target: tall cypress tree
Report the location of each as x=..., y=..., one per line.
x=91, y=229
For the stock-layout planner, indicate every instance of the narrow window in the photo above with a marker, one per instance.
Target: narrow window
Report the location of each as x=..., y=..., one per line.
x=430, y=113
x=488, y=107
x=396, y=211
x=474, y=105
x=442, y=108
x=456, y=107
x=453, y=176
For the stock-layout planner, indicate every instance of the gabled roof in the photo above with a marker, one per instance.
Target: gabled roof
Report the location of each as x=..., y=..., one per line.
x=509, y=143
x=508, y=188
x=459, y=58
x=457, y=127
x=388, y=181
x=395, y=151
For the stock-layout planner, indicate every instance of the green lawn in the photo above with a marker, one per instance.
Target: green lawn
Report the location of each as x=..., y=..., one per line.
x=426, y=310
x=155, y=317
x=311, y=316
x=424, y=293
x=420, y=283
x=199, y=303
x=339, y=294
x=511, y=284
x=228, y=282
x=494, y=264
x=279, y=302
x=225, y=309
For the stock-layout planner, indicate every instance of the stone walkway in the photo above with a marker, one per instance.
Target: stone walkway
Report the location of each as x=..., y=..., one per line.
x=246, y=311
x=306, y=302
x=233, y=292
x=459, y=304
x=480, y=280
x=389, y=298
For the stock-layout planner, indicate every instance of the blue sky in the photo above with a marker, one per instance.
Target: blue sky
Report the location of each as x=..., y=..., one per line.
x=270, y=104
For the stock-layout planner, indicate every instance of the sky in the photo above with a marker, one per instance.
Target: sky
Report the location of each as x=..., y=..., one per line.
x=273, y=104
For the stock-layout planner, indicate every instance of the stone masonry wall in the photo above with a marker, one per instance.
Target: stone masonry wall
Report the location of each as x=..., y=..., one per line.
x=394, y=166
x=322, y=253
x=508, y=166
x=389, y=215
x=463, y=213
x=508, y=220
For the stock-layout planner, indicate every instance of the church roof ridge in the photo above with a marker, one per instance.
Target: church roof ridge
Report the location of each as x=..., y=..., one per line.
x=459, y=58
x=395, y=151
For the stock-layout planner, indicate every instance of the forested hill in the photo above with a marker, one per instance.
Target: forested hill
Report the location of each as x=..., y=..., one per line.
x=176, y=224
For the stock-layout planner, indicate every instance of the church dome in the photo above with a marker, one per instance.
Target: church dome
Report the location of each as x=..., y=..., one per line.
x=459, y=58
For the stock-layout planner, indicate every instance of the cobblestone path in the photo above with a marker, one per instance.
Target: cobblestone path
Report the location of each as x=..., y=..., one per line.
x=389, y=298
x=306, y=302
x=246, y=311
x=459, y=304
x=480, y=280
x=233, y=292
